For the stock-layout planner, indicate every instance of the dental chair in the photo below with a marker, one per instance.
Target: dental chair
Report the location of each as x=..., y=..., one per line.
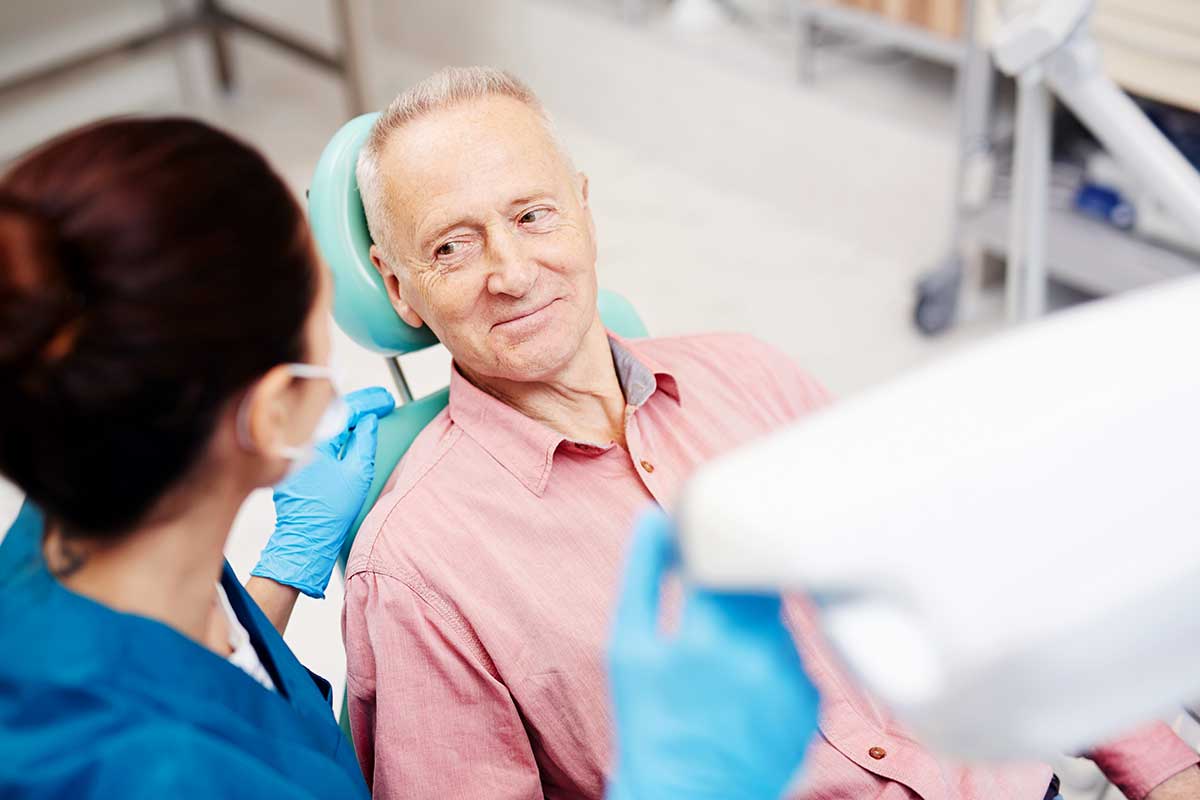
x=362, y=309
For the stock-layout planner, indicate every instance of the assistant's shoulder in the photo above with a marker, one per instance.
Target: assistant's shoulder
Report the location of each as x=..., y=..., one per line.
x=157, y=760
x=757, y=367
x=173, y=759
x=69, y=741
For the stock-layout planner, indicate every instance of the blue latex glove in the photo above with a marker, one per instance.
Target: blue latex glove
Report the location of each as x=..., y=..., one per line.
x=315, y=508
x=722, y=708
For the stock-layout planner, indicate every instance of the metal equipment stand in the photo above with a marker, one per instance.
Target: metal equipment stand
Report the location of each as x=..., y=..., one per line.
x=1025, y=292
x=813, y=16
x=214, y=21
x=938, y=290
x=1051, y=54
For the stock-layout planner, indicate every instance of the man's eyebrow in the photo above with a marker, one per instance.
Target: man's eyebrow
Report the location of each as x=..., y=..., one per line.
x=427, y=241
x=525, y=199
x=530, y=197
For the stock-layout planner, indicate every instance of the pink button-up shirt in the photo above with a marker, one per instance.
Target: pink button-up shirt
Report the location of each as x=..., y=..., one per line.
x=479, y=591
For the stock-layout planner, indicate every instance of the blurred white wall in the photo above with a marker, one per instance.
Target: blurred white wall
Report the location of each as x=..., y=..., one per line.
x=842, y=172
x=37, y=34
x=33, y=35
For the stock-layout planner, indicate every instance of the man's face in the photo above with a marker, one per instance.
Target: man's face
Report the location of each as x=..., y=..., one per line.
x=493, y=244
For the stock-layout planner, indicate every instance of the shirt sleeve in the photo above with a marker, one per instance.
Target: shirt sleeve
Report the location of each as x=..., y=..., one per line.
x=1143, y=759
x=428, y=717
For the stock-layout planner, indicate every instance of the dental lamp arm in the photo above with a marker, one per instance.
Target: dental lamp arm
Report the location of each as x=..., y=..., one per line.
x=1055, y=39
x=1005, y=540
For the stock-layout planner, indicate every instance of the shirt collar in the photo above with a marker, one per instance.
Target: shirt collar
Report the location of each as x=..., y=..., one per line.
x=526, y=447
x=640, y=375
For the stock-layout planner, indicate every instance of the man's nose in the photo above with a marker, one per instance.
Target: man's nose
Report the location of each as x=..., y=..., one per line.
x=513, y=271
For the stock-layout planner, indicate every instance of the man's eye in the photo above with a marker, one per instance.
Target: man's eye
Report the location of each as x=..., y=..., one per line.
x=533, y=215
x=448, y=249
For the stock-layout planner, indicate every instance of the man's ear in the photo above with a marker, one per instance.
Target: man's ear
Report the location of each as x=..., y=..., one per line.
x=395, y=294
x=583, y=187
x=587, y=210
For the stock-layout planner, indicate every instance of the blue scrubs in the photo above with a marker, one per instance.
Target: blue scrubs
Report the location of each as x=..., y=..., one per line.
x=99, y=704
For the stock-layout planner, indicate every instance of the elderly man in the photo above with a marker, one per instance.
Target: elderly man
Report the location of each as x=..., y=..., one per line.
x=478, y=594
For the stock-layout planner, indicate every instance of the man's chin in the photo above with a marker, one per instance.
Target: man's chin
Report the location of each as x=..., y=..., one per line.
x=536, y=366
x=537, y=357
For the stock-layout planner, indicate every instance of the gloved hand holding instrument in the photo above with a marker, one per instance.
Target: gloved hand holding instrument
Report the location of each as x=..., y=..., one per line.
x=315, y=507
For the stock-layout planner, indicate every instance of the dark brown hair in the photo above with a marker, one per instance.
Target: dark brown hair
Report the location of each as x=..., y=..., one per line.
x=150, y=270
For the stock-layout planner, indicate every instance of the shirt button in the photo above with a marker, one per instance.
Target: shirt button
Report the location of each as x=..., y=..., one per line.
x=877, y=753
x=646, y=465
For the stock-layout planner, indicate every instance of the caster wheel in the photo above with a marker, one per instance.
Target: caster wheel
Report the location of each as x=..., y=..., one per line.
x=937, y=301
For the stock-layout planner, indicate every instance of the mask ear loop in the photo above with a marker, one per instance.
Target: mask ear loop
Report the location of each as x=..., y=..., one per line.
x=337, y=408
x=332, y=420
x=312, y=371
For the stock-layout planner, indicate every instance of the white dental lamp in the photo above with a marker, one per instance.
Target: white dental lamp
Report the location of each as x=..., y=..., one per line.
x=1006, y=543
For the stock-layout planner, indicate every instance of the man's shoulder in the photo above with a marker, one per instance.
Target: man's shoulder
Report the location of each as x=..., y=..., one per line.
x=735, y=358
x=739, y=370
x=441, y=464
x=707, y=350
x=434, y=441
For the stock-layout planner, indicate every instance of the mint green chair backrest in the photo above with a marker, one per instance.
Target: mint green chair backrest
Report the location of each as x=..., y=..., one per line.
x=335, y=211
x=360, y=302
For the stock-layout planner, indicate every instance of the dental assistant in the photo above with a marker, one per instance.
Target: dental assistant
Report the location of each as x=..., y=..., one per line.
x=163, y=353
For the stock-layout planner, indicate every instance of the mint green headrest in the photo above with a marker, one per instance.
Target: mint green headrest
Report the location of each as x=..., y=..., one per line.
x=335, y=211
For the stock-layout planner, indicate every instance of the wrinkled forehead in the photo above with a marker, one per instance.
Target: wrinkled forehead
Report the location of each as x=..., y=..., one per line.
x=467, y=159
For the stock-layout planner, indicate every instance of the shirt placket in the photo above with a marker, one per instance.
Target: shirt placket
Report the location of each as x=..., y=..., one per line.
x=643, y=463
x=857, y=733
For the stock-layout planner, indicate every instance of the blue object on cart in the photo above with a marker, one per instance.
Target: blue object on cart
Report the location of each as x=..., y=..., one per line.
x=1105, y=204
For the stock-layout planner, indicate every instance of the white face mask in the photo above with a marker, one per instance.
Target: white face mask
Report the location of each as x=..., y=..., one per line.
x=332, y=422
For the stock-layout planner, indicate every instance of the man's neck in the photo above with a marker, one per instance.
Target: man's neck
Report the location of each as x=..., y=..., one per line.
x=583, y=401
x=163, y=570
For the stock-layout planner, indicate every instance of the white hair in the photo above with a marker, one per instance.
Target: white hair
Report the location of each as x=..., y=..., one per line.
x=445, y=88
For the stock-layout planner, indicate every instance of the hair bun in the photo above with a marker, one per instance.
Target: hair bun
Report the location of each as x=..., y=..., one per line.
x=37, y=302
